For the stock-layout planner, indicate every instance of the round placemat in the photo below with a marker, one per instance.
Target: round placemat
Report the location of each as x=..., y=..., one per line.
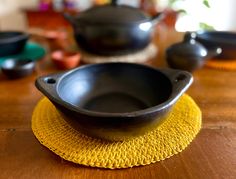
x=222, y=64
x=174, y=134
x=31, y=51
x=141, y=56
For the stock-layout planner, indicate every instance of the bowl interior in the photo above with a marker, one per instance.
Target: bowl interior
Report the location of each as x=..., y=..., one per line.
x=115, y=88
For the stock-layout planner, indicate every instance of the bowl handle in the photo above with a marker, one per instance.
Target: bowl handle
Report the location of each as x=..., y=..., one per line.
x=47, y=85
x=181, y=80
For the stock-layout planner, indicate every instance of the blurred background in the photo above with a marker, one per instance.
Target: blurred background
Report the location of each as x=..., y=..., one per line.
x=183, y=15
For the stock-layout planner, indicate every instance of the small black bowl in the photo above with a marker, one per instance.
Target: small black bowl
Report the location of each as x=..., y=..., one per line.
x=17, y=68
x=223, y=39
x=12, y=42
x=115, y=101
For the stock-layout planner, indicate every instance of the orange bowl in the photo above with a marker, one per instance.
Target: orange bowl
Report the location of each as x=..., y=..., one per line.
x=65, y=60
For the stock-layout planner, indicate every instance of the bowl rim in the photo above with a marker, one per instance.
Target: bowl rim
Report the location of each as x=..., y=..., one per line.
x=18, y=37
x=174, y=96
x=215, y=37
x=29, y=65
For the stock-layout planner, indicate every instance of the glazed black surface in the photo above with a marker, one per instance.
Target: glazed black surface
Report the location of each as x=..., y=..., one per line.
x=223, y=39
x=101, y=89
x=112, y=29
x=12, y=42
x=112, y=40
x=189, y=54
x=114, y=101
x=17, y=68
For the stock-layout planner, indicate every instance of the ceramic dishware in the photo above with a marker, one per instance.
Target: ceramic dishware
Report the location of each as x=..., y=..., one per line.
x=189, y=54
x=115, y=101
x=65, y=60
x=113, y=29
x=17, y=68
x=12, y=42
x=224, y=39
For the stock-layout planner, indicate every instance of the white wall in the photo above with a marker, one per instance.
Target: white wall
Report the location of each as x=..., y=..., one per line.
x=11, y=16
x=223, y=14
x=5, y=4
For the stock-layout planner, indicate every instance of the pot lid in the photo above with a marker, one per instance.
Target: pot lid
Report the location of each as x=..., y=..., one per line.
x=112, y=13
x=189, y=47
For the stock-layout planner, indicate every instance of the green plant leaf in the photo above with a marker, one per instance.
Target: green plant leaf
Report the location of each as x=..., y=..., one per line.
x=206, y=3
x=182, y=11
x=205, y=26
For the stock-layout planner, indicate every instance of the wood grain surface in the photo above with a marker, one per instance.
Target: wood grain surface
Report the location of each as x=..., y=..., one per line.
x=211, y=155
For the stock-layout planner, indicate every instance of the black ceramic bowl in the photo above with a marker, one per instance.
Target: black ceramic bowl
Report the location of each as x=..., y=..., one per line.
x=17, y=68
x=12, y=42
x=114, y=101
x=222, y=39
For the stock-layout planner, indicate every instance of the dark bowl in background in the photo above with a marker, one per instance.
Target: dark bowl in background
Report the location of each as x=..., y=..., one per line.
x=114, y=101
x=12, y=42
x=224, y=39
x=17, y=68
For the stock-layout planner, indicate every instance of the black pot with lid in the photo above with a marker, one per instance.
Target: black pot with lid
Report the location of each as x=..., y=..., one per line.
x=113, y=29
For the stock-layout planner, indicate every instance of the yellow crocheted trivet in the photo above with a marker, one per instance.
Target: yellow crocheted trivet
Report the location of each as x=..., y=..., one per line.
x=174, y=134
x=222, y=64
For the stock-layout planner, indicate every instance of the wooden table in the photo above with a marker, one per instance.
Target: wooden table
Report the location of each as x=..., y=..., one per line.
x=211, y=155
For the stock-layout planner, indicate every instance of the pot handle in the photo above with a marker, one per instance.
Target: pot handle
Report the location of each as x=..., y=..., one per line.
x=157, y=18
x=48, y=85
x=180, y=80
